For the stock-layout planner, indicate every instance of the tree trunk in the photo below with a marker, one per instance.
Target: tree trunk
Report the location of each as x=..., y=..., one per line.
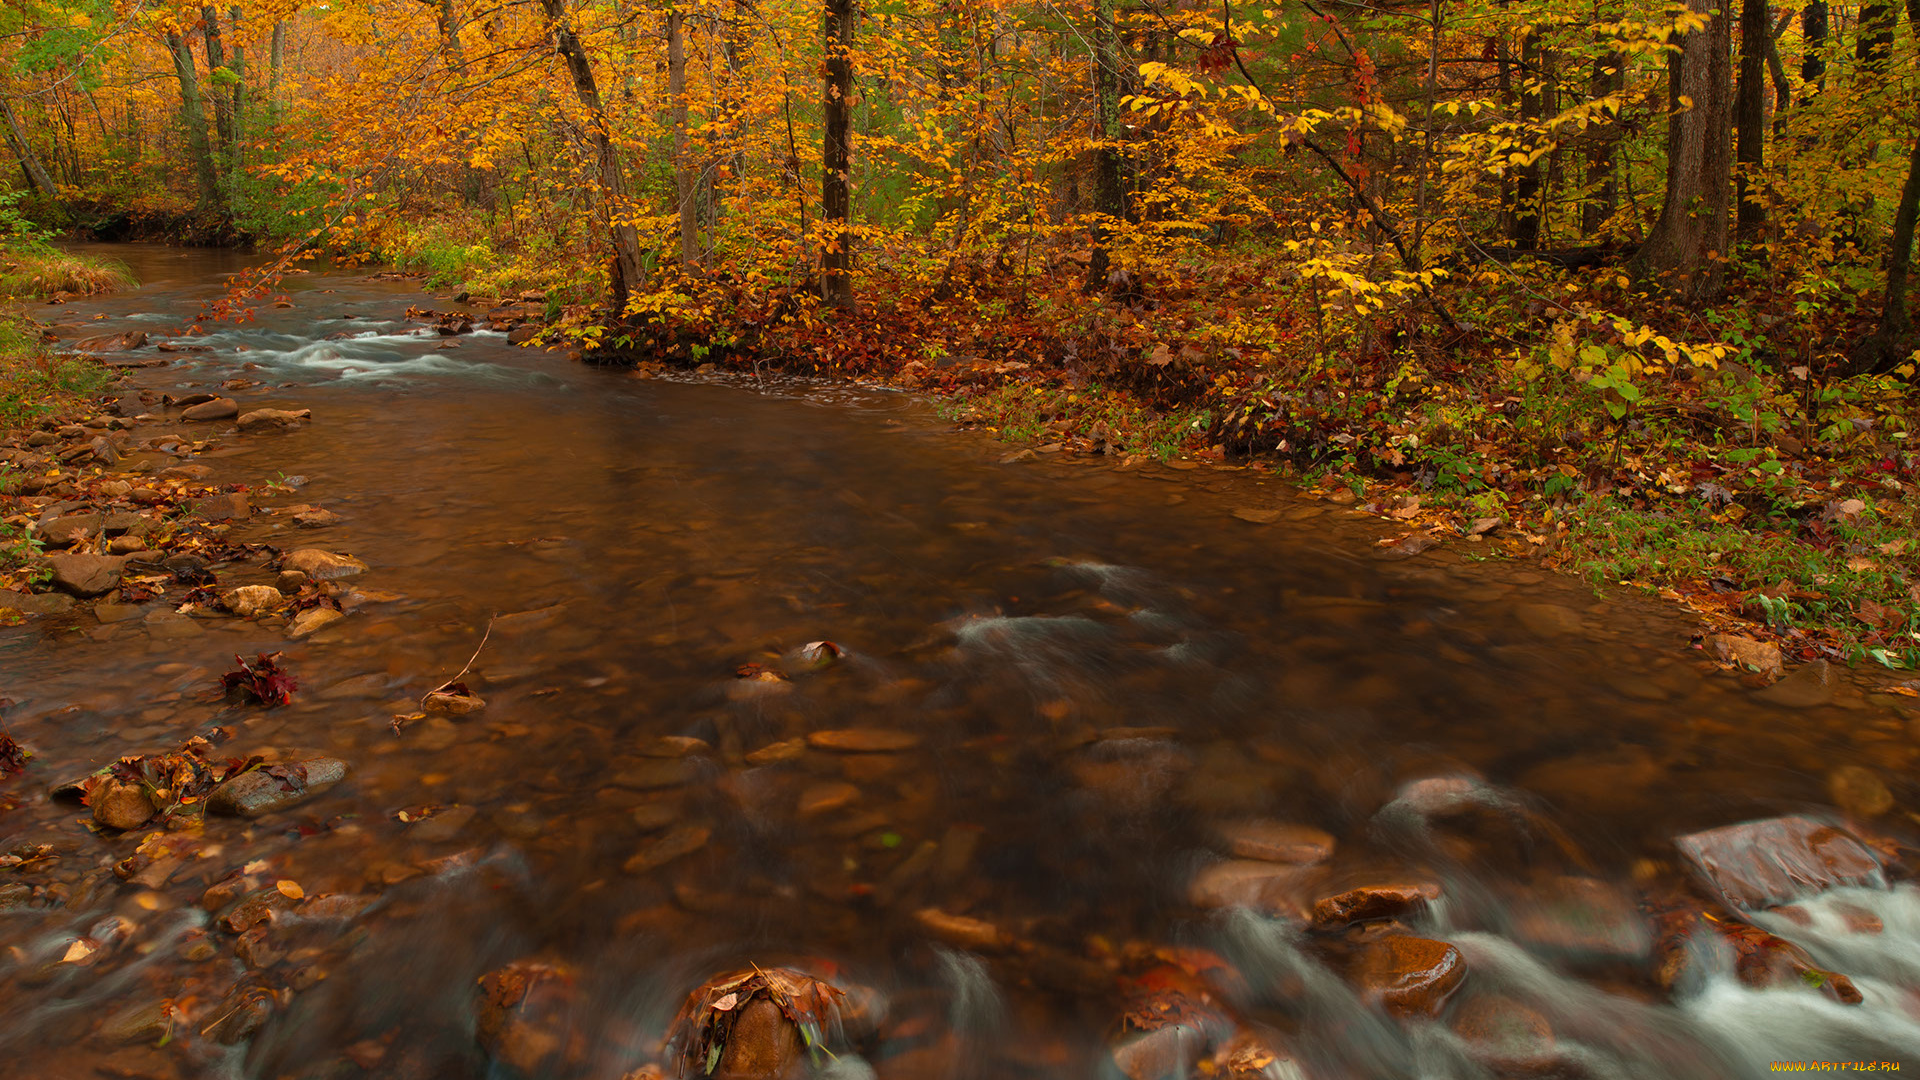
x=685, y=180
x=216, y=62
x=1874, y=46
x=625, y=239
x=1687, y=248
x=1887, y=348
x=1109, y=184
x=276, y=57
x=836, y=32
x=1750, y=118
x=239, y=66
x=1813, y=33
x=199, y=146
x=1603, y=194
x=30, y=166
x=1526, y=187
x=449, y=25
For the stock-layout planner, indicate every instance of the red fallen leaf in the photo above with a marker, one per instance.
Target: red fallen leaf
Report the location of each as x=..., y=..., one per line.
x=262, y=679
x=12, y=758
x=291, y=777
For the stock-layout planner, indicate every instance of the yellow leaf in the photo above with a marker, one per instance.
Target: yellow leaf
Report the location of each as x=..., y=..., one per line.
x=290, y=889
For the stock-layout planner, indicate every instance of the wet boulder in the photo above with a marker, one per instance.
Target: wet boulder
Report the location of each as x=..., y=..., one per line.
x=1761, y=864
x=1408, y=976
x=321, y=565
x=217, y=409
x=312, y=621
x=120, y=804
x=756, y=1025
x=276, y=787
x=522, y=1017
x=250, y=600
x=263, y=420
x=1384, y=900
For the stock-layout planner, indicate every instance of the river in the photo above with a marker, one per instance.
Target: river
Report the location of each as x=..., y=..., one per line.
x=1100, y=677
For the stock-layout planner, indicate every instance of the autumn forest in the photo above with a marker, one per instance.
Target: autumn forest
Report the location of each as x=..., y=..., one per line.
x=1368, y=241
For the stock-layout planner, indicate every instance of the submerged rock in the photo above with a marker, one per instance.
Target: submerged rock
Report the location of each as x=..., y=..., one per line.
x=274, y=419
x=1804, y=687
x=658, y=852
x=276, y=787
x=1581, y=917
x=1275, y=888
x=1505, y=1034
x=523, y=1016
x=1275, y=841
x=864, y=740
x=1165, y=1053
x=232, y=506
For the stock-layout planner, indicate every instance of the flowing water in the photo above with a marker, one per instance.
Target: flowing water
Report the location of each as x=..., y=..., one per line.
x=1101, y=665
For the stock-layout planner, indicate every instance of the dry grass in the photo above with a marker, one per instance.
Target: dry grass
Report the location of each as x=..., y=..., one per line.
x=36, y=272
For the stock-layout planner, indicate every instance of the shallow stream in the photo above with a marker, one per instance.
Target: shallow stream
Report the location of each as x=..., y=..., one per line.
x=1102, y=668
